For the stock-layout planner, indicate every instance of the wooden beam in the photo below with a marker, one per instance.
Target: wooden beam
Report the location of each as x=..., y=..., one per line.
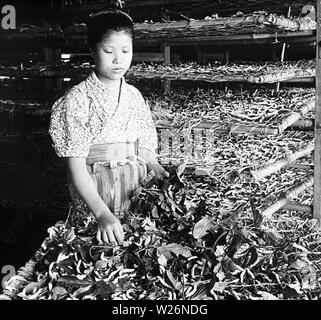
x=294, y=206
x=148, y=57
x=294, y=116
x=273, y=167
x=289, y=195
x=100, y=5
x=317, y=153
x=133, y=4
x=61, y=39
x=297, y=37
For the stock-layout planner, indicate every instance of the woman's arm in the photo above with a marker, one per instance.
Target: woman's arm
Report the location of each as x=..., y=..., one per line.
x=109, y=227
x=152, y=164
x=147, y=137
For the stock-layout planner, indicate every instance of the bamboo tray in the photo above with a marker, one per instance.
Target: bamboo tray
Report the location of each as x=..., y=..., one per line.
x=254, y=23
x=257, y=73
x=228, y=163
x=258, y=111
x=259, y=24
x=24, y=275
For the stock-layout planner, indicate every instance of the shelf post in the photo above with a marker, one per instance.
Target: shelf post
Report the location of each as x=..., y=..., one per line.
x=166, y=49
x=52, y=56
x=167, y=60
x=317, y=131
x=283, y=52
x=227, y=55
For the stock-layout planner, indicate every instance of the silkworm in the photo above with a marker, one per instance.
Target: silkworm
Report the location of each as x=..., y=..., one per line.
x=162, y=281
x=121, y=272
x=112, y=274
x=129, y=293
x=250, y=273
x=192, y=291
x=212, y=292
x=78, y=266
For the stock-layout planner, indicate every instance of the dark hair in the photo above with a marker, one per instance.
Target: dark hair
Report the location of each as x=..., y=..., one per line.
x=112, y=19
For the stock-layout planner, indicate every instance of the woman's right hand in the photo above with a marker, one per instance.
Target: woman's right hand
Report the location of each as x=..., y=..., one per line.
x=109, y=227
x=109, y=230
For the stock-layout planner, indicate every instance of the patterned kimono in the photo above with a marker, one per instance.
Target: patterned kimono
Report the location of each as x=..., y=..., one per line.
x=107, y=129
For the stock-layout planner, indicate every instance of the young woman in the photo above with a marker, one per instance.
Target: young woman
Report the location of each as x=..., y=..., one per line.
x=104, y=128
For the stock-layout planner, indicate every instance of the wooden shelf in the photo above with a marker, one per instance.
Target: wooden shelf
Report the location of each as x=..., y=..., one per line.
x=37, y=109
x=252, y=73
x=299, y=37
x=260, y=109
x=250, y=29
x=306, y=38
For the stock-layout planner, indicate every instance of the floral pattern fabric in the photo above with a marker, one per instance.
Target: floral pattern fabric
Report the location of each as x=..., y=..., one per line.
x=89, y=113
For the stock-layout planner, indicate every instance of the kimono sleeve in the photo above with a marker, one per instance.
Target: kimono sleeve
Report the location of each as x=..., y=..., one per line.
x=69, y=125
x=147, y=133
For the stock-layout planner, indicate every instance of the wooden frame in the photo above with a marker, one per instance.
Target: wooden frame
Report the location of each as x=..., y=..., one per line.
x=148, y=57
x=317, y=153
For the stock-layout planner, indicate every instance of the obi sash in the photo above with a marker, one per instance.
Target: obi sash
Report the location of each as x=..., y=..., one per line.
x=117, y=172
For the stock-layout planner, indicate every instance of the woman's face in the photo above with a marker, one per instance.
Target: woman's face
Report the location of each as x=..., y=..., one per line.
x=113, y=56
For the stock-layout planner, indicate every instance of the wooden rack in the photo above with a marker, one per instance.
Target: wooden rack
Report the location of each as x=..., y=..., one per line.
x=252, y=73
x=170, y=134
x=221, y=32
x=147, y=37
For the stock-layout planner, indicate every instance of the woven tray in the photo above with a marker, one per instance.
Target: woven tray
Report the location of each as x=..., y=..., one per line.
x=24, y=275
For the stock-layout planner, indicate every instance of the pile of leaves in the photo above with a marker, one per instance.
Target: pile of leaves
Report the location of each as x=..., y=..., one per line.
x=229, y=106
x=182, y=243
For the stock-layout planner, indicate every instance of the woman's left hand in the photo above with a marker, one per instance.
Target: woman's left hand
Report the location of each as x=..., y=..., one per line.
x=160, y=173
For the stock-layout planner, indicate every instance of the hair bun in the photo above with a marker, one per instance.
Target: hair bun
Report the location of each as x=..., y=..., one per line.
x=111, y=18
x=111, y=9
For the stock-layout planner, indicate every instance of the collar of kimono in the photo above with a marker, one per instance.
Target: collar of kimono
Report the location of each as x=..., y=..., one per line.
x=94, y=80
